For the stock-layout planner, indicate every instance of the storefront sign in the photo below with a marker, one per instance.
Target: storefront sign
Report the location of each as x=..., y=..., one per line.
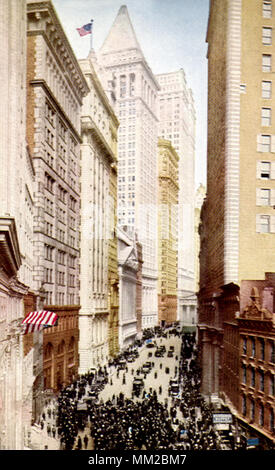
x=224, y=418
x=253, y=441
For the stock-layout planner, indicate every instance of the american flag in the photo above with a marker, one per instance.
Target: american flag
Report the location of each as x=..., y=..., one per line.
x=38, y=320
x=86, y=29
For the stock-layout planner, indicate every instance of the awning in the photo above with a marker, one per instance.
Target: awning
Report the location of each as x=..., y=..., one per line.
x=38, y=320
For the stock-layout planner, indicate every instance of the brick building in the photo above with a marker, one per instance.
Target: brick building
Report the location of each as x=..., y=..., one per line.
x=256, y=325
x=60, y=350
x=237, y=230
x=55, y=90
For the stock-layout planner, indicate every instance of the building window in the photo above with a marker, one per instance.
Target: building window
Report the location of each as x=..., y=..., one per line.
x=266, y=117
x=262, y=349
x=244, y=345
x=252, y=377
x=264, y=223
x=261, y=374
x=266, y=89
x=271, y=420
x=272, y=385
x=49, y=252
x=265, y=144
x=252, y=410
x=272, y=352
x=265, y=197
x=244, y=405
x=244, y=373
x=253, y=347
x=267, y=36
x=261, y=415
x=267, y=9
x=265, y=170
x=266, y=62
x=122, y=86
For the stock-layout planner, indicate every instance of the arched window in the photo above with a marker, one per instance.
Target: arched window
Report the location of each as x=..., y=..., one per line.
x=48, y=366
x=271, y=420
x=261, y=415
x=61, y=348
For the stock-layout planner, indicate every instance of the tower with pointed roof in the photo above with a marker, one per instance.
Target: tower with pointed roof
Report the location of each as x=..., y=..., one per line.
x=127, y=73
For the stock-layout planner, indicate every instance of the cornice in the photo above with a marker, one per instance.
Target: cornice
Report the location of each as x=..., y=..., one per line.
x=91, y=73
x=88, y=126
x=9, y=246
x=42, y=83
x=43, y=19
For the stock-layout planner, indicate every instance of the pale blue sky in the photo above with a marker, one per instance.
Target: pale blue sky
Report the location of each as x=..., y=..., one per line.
x=171, y=34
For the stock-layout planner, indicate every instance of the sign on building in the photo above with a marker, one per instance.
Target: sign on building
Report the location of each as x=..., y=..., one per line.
x=222, y=418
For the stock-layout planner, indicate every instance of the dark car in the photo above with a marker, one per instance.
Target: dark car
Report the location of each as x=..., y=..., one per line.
x=138, y=384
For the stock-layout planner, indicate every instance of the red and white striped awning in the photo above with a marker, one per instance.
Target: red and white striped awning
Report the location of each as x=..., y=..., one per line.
x=35, y=321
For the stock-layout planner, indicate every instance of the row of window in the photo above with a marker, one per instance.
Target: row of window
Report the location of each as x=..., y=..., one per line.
x=265, y=348
x=261, y=412
x=62, y=193
x=261, y=379
x=59, y=298
x=49, y=254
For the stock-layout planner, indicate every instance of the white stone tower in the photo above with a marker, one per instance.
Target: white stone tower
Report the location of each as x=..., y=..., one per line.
x=124, y=70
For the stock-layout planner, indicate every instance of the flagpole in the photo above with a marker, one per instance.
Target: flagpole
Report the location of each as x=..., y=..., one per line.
x=91, y=38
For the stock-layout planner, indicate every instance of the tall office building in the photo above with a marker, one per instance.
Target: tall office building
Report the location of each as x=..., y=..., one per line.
x=98, y=214
x=168, y=232
x=16, y=212
x=55, y=89
x=238, y=218
x=177, y=124
x=125, y=72
x=54, y=102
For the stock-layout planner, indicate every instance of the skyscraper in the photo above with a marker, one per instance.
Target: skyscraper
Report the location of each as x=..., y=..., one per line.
x=98, y=213
x=177, y=124
x=16, y=212
x=124, y=70
x=168, y=232
x=238, y=220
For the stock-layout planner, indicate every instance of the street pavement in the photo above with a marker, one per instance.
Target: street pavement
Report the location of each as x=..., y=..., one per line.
x=160, y=364
x=41, y=439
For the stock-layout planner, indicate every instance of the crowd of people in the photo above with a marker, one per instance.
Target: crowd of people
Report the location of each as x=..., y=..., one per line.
x=143, y=421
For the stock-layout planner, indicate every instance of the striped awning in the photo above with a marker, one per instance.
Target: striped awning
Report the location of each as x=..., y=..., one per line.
x=38, y=320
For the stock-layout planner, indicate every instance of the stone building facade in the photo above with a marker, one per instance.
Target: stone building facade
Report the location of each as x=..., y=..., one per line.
x=55, y=90
x=237, y=229
x=128, y=267
x=99, y=277
x=168, y=232
x=60, y=350
x=113, y=279
x=256, y=324
x=177, y=121
x=16, y=225
x=126, y=74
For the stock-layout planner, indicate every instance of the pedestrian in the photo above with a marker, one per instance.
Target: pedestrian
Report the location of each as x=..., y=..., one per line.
x=79, y=443
x=53, y=431
x=85, y=441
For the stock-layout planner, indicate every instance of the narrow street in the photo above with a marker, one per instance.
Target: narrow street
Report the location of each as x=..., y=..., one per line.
x=148, y=398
